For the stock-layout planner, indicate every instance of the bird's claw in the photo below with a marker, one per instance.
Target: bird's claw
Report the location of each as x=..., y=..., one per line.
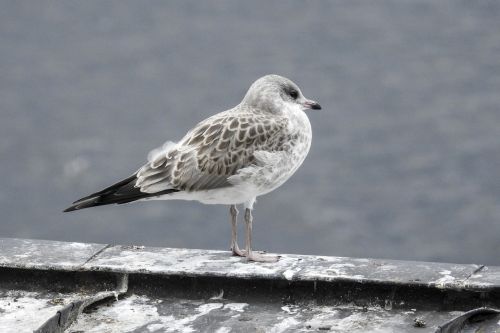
x=237, y=252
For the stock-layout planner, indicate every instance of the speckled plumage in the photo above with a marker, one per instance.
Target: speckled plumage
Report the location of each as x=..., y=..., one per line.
x=219, y=151
x=229, y=158
x=251, y=146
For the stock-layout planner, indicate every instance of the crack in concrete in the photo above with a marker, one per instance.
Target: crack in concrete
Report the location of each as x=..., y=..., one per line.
x=477, y=270
x=92, y=257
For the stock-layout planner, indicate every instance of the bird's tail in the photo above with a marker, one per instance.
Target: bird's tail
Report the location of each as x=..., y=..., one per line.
x=119, y=193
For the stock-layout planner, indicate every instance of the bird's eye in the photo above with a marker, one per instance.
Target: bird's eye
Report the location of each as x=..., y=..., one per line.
x=294, y=94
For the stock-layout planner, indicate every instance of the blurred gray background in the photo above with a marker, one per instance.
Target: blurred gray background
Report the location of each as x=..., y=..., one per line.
x=405, y=161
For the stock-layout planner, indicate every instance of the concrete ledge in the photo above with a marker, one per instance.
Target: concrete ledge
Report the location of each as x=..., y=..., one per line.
x=65, y=256
x=84, y=274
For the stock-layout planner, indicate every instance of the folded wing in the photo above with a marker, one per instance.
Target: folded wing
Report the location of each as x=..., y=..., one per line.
x=216, y=149
x=213, y=151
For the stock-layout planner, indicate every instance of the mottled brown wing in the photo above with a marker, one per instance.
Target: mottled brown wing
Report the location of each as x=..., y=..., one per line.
x=213, y=151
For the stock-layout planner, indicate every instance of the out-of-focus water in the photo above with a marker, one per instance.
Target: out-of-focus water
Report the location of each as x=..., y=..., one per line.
x=405, y=161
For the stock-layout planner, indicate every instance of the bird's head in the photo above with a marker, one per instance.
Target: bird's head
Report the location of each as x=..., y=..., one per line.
x=274, y=93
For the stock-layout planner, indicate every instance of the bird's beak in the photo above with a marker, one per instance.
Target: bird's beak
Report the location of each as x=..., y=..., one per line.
x=308, y=104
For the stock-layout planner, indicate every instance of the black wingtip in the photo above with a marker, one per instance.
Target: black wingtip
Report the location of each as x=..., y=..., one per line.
x=119, y=193
x=75, y=206
x=70, y=209
x=86, y=202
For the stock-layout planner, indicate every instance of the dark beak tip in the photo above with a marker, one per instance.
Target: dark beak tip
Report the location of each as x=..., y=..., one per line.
x=312, y=105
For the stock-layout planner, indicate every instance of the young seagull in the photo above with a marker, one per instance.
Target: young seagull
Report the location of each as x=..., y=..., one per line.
x=230, y=158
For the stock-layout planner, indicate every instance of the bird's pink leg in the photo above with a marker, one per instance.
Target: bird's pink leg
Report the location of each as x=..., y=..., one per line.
x=234, y=238
x=254, y=256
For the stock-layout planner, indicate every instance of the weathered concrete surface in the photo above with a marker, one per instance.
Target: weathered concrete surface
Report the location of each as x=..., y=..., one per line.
x=41, y=254
x=25, y=311
x=181, y=290
x=140, y=313
x=289, y=267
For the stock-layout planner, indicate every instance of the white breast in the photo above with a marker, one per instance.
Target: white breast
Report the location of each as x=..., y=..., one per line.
x=300, y=133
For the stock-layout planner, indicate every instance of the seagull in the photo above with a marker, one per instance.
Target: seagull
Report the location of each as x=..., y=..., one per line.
x=230, y=158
